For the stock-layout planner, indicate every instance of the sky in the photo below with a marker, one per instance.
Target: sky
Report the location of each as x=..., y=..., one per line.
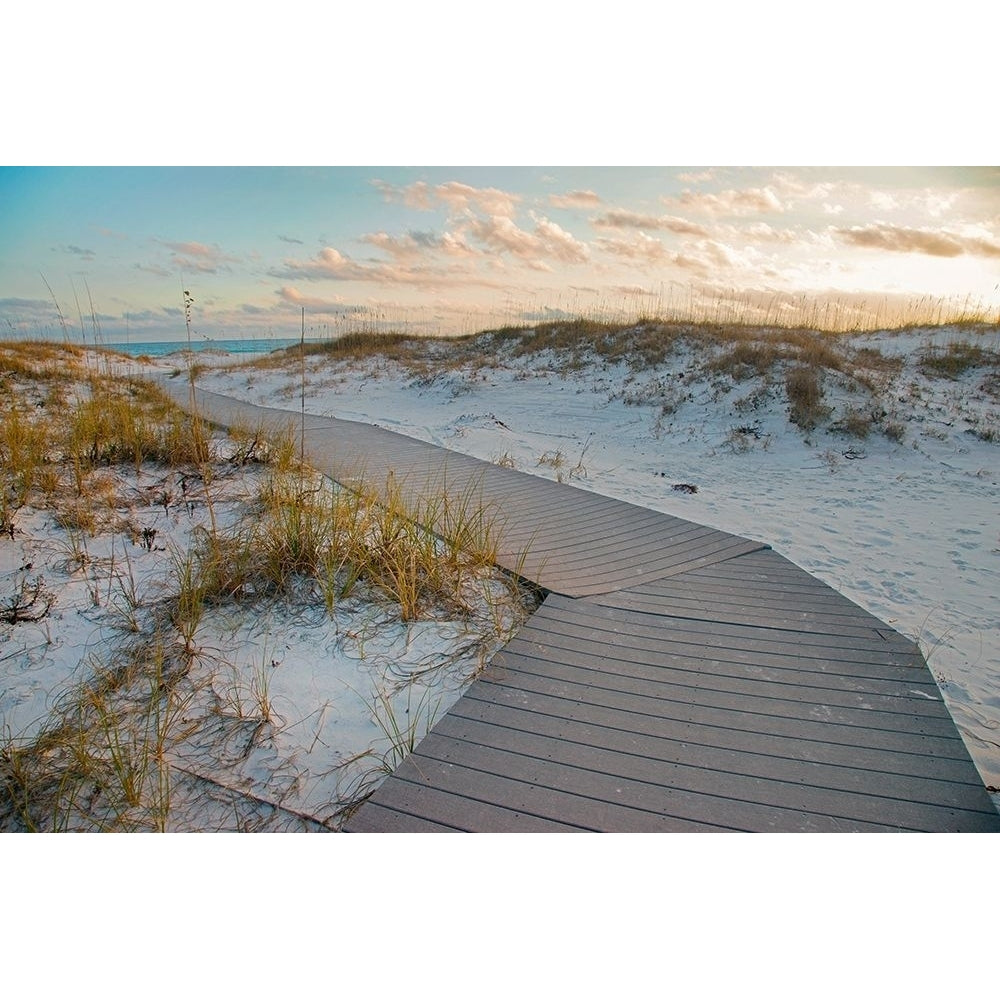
x=454, y=249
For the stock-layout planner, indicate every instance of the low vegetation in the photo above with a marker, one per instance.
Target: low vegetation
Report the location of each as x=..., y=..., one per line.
x=955, y=359
x=98, y=454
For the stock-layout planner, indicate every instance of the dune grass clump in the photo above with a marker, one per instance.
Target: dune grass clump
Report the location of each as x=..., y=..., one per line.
x=805, y=396
x=41, y=361
x=954, y=360
x=745, y=360
x=114, y=749
x=305, y=536
x=100, y=762
x=643, y=344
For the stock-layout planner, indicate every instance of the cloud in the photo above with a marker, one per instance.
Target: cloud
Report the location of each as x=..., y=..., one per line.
x=328, y=263
x=761, y=232
x=575, y=199
x=639, y=247
x=696, y=178
x=882, y=200
x=455, y=195
x=16, y=303
x=548, y=240
x=982, y=247
x=294, y=297
x=749, y=201
x=623, y=219
x=78, y=251
x=290, y=239
x=546, y=314
x=192, y=249
x=558, y=242
x=902, y=239
x=418, y=243
x=200, y=257
x=154, y=269
x=331, y=265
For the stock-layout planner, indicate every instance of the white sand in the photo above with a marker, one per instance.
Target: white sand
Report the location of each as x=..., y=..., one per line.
x=908, y=530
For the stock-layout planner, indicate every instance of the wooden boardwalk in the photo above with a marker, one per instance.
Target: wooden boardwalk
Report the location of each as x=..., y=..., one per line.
x=676, y=677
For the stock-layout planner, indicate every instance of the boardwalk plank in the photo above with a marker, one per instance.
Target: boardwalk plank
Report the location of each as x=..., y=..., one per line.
x=388, y=820
x=604, y=795
x=574, y=682
x=627, y=669
x=527, y=806
x=529, y=710
x=641, y=781
x=659, y=648
x=822, y=765
x=676, y=677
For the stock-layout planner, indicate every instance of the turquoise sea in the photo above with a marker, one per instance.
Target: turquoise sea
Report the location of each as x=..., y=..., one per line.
x=158, y=349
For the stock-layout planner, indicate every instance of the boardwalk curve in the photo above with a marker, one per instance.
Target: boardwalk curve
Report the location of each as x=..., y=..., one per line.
x=675, y=678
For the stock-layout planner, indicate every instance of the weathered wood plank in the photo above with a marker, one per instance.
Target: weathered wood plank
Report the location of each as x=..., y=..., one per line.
x=529, y=710
x=569, y=680
x=886, y=676
x=676, y=678
x=942, y=783
x=387, y=820
x=738, y=793
x=607, y=798
x=626, y=669
x=761, y=723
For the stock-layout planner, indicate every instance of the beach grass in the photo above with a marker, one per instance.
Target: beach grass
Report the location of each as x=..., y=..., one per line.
x=107, y=755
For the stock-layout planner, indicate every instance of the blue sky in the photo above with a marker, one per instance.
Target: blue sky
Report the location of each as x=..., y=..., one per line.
x=451, y=248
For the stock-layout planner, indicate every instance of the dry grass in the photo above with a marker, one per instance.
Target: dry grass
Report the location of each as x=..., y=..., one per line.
x=106, y=758
x=955, y=359
x=41, y=361
x=805, y=396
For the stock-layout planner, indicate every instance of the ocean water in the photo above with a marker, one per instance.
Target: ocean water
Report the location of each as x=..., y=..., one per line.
x=158, y=349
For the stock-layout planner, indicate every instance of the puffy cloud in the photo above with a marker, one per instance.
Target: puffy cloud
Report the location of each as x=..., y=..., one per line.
x=575, y=199
x=331, y=265
x=749, y=201
x=548, y=240
x=638, y=247
x=455, y=195
x=398, y=246
x=328, y=263
x=761, y=232
x=416, y=243
x=902, y=239
x=558, y=242
x=294, y=297
x=194, y=256
x=882, y=200
x=623, y=219
x=982, y=247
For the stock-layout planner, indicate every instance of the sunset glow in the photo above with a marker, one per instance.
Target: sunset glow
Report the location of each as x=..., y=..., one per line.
x=444, y=250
